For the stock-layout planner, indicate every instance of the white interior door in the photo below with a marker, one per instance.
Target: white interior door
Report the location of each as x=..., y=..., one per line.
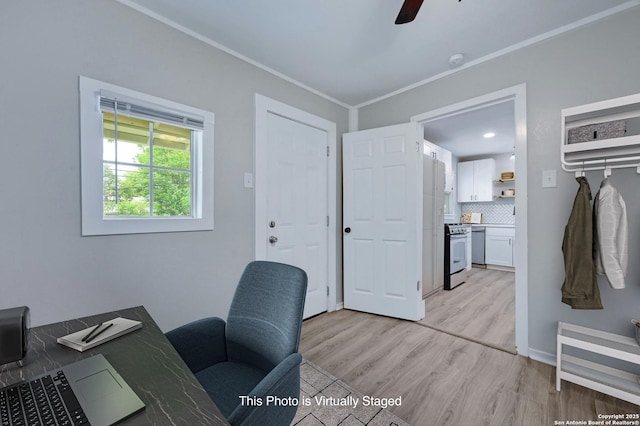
x=382, y=219
x=296, y=226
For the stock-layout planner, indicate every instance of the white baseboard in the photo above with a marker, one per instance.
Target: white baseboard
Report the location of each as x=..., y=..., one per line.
x=339, y=306
x=544, y=357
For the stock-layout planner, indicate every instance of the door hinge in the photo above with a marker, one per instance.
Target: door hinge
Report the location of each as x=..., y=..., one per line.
x=417, y=146
x=327, y=221
x=328, y=150
x=418, y=286
x=327, y=290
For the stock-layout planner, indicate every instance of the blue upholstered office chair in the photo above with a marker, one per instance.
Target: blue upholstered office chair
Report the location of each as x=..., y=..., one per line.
x=256, y=353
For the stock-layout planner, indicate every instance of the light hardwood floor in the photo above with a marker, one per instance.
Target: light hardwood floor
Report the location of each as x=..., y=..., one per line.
x=482, y=309
x=443, y=379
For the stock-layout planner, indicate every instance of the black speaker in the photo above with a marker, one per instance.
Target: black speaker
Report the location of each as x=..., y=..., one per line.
x=14, y=334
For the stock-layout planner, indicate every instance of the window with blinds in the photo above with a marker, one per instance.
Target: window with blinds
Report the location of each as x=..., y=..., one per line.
x=153, y=161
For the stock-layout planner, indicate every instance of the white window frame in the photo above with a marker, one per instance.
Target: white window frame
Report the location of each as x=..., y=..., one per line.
x=93, y=220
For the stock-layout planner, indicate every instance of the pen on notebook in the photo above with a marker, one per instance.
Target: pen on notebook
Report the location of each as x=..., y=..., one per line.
x=93, y=330
x=98, y=333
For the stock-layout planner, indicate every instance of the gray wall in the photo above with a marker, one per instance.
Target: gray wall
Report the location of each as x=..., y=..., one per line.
x=597, y=62
x=44, y=262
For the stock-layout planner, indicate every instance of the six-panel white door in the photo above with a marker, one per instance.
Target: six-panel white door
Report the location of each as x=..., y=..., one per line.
x=297, y=203
x=382, y=220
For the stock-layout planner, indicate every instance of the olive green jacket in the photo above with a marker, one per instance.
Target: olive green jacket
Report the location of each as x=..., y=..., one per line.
x=580, y=288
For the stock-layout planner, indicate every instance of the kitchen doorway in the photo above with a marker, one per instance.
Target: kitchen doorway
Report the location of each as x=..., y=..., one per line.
x=515, y=99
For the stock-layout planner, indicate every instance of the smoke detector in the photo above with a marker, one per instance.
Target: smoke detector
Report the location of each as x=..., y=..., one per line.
x=456, y=60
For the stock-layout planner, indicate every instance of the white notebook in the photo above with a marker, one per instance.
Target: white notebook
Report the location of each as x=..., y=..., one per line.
x=108, y=330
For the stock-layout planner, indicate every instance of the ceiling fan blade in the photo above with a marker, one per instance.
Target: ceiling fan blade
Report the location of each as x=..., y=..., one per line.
x=408, y=11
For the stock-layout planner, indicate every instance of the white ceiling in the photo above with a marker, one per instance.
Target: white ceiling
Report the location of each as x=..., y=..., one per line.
x=462, y=134
x=352, y=52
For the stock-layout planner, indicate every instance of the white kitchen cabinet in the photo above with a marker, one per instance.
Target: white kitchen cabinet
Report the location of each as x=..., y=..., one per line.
x=499, y=243
x=447, y=158
x=475, y=180
x=466, y=182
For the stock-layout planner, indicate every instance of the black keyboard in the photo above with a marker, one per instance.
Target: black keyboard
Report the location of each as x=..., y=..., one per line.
x=44, y=401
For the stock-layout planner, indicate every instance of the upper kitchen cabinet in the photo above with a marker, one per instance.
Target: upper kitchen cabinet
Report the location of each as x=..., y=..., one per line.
x=475, y=180
x=446, y=157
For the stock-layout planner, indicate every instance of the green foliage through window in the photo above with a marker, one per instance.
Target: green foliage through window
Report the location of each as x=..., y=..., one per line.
x=147, y=168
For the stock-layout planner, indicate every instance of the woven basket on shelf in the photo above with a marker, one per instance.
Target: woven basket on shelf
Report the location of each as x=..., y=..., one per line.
x=506, y=175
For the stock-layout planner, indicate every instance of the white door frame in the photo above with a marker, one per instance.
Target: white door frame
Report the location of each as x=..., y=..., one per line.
x=517, y=94
x=263, y=107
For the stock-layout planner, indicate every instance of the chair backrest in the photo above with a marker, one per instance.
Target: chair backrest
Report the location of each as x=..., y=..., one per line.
x=265, y=318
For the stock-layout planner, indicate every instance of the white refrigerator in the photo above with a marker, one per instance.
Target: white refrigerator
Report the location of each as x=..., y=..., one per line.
x=433, y=224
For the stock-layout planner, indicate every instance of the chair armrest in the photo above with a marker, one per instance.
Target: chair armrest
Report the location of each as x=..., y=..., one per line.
x=283, y=382
x=201, y=343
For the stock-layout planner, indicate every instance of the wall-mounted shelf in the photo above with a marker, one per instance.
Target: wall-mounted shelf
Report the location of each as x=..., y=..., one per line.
x=498, y=182
x=602, y=154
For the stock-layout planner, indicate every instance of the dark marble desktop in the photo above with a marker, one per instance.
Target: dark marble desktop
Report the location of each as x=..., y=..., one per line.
x=144, y=358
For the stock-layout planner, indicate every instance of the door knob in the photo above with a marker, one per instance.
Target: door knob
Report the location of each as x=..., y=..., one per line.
x=347, y=230
x=273, y=239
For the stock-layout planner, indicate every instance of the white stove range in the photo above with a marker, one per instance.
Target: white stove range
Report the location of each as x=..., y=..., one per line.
x=457, y=254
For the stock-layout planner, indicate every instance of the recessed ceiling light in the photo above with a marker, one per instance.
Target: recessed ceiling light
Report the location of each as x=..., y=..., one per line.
x=488, y=135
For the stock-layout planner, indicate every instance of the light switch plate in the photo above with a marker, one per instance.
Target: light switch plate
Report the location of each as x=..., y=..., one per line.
x=549, y=179
x=248, y=180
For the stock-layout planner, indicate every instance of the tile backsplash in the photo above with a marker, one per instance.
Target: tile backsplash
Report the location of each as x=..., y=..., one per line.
x=499, y=211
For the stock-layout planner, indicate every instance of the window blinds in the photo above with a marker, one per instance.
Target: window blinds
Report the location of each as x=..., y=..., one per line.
x=115, y=105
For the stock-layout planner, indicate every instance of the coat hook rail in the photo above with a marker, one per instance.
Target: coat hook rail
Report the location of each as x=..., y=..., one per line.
x=579, y=170
x=600, y=164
